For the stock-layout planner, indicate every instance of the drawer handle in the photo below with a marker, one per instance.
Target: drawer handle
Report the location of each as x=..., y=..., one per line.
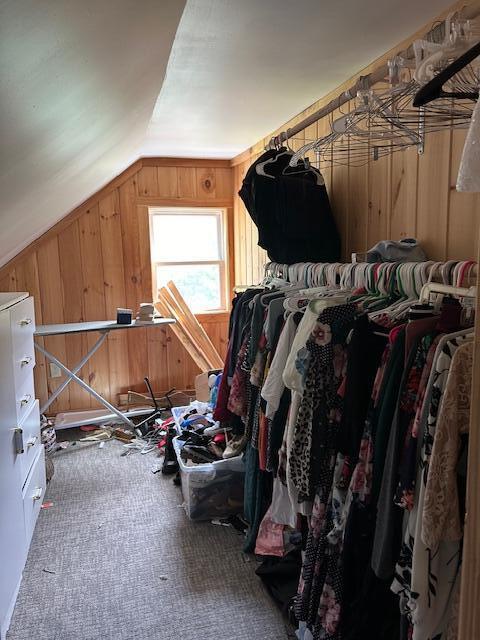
x=18, y=437
x=32, y=441
x=37, y=495
x=25, y=360
x=25, y=322
x=25, y=400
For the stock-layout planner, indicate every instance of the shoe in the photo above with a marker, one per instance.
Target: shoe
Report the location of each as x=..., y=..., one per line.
x=197, y=454
x=216, y=450
x=170, y=463
x=214, y=429
x=235, y=447
x=192, y=437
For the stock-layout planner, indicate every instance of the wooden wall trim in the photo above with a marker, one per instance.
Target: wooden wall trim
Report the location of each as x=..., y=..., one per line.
x=155, y=201
x=245, y=155
x=183, y=162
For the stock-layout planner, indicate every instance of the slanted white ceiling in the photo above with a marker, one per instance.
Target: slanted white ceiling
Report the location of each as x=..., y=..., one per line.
x=79, y=80
x=239, y=68
x=78, y=83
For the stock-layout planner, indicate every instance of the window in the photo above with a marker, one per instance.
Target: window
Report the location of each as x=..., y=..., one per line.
x=188, y=247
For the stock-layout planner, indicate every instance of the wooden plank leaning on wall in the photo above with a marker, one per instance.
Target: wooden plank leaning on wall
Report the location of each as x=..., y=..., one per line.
x=97, y=258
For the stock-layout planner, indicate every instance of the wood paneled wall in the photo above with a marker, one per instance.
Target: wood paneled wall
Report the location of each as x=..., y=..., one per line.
x=399, y=196
x=405, y=195
x=96, y=259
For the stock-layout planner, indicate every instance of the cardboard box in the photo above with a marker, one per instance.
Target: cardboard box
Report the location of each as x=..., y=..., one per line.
x=202, y=390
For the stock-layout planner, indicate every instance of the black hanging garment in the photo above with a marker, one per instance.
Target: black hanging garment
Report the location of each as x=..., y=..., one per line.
x=291, y=210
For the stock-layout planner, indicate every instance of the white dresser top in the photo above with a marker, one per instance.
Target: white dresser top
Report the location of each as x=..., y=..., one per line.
x=7, y=299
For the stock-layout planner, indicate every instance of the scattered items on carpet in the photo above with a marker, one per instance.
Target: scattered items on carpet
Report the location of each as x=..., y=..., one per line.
x=48, y=504
x=48, y=435
x=124, y=435
x=221, y=523
x=48, y=438
x=49, y=571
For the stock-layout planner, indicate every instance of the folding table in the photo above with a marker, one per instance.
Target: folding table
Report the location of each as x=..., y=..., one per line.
x=104, y=328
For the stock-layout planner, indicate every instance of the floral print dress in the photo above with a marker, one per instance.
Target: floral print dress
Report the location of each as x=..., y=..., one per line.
x=316, y=469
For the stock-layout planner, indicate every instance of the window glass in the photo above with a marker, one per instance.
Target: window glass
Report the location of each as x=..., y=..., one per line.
x=188, y=247
x=199, y=284
x=186, y=238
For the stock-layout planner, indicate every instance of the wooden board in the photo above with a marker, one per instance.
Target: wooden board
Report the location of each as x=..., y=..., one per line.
x=114, y=290
x=205, y=341
x=94, y=298
x=182, y=335
x=165, y=296
x=52, y=304
x=74, y=310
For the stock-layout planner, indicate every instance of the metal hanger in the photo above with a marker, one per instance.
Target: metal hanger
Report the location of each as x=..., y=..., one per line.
x=450, y=62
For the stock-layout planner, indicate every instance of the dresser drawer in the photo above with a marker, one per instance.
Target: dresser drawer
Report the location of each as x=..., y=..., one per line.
x=34, y=494
x=24, y=397
x=30, y=439
x=22, y=324
x=23, y=362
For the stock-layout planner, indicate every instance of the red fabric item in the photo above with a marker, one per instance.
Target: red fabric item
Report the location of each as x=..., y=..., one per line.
x=221, y=412
x=237, y=400
x=270, y=538
x=465, y=267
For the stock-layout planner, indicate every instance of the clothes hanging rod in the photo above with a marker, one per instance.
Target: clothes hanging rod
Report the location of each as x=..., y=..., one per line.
x=367, y=81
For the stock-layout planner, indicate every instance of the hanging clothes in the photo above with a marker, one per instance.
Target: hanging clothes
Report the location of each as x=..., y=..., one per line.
x=354, y=429
x=291, y=210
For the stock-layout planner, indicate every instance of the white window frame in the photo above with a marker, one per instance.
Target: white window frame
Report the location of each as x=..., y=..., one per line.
x=222, y=242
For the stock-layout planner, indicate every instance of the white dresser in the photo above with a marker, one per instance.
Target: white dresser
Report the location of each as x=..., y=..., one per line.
x=22, y=463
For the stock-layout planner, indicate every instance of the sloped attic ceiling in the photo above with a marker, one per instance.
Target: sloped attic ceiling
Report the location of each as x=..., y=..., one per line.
x=239, y=68
x=78, y=83
x=80, y=79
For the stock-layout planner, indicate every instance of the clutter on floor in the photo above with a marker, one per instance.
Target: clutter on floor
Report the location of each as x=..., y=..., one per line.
x=115, y=558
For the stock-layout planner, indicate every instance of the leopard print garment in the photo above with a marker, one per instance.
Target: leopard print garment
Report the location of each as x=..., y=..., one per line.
x=320, y=407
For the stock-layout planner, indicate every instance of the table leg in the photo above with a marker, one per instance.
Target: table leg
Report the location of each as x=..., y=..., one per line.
x=75, y=370
x=85, y=386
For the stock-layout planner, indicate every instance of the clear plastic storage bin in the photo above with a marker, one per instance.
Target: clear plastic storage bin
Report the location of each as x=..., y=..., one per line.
x=211, y=490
